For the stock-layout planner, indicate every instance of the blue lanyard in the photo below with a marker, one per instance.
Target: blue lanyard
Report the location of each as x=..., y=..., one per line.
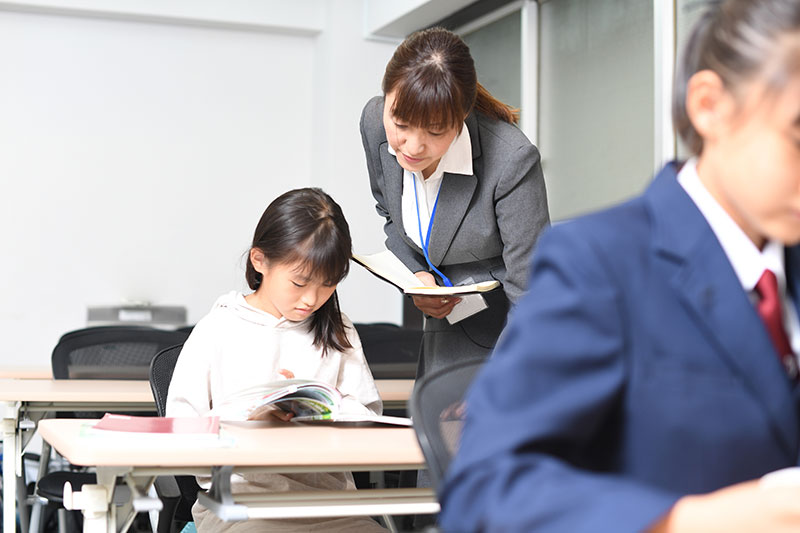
x=424, y=242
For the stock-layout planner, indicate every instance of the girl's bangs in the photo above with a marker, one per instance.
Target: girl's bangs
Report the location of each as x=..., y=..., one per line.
x=323, y=259
x=424, y=103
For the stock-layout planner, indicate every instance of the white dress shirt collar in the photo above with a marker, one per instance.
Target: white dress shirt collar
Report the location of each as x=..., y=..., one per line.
x=747, y=260
x=457, y=160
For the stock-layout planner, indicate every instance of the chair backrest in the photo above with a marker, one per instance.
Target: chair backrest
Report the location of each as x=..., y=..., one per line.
x=111, y=352
x=391, y=351
x=437, y=410
x=161, y=368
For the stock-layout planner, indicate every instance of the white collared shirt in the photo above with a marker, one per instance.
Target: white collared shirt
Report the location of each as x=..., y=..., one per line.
x=457, y=160
x=747, y=260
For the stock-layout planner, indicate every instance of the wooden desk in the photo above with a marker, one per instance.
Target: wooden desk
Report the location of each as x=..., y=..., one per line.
x=23, y=402
x=26, y=372
x=262, y=446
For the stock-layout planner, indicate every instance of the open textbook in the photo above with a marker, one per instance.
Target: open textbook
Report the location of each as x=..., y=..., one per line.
x=388, y=267
x=310, y=401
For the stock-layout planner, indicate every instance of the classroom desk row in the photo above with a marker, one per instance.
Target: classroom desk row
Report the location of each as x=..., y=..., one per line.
x=246, y=447
x=25, y=402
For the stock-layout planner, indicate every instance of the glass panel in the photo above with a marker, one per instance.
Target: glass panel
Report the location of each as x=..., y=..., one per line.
x=595, y=102
x=496, y=50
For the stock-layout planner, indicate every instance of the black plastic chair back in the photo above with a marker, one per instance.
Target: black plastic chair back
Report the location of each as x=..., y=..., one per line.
x=111, y=352
x=161, y=369
x=391, y=351
x=438, y=411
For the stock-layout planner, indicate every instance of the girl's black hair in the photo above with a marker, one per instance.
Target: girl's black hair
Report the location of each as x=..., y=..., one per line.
x=306, y=226
x=738, y=40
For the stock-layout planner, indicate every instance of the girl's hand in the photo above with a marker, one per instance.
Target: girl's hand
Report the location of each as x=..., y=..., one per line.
x=742, y=507
x=435, y=306
x=269, y=412
x=288, y=374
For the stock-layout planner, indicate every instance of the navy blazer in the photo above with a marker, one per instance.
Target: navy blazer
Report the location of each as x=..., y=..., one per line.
x=635, y=371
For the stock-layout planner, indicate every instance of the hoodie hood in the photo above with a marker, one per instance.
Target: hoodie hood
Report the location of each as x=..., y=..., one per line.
x=235, y=303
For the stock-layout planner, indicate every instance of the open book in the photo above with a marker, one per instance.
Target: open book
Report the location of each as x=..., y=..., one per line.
x=310, y=401
x=388, y=267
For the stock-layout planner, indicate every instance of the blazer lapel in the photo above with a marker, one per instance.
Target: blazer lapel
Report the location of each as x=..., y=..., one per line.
x=707, y=284
x=455, y=196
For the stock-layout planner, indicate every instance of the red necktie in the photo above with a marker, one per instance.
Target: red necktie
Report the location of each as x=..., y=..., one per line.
x=769, y=308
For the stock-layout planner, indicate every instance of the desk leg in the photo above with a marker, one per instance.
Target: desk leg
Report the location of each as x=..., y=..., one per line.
x=10, y=410
x=94, y=502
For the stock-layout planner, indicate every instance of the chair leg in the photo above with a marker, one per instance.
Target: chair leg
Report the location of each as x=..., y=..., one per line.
x=23, y=509
x=388, y=523
x=62, y=520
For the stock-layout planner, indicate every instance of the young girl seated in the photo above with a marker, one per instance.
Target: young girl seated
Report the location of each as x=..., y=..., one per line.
x=290, y=326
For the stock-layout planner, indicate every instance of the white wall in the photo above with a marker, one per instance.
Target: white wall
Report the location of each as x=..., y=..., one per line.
x=137, y=153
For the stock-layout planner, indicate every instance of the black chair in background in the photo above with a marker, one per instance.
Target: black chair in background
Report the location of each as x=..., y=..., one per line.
x=102, y=352
x=161, y=368
x=391, y=351
x=111, y=352
x=438, y=410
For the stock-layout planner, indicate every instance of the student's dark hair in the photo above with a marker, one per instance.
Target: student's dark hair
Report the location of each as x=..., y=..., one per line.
x=305, y=226
x=433, y=76
x=737, y=39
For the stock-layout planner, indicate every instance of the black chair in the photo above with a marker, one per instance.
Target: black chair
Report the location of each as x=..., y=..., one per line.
x=111, y=352
x=391, y=351
x=438, y=410
x=161, y=368
x=102, y=352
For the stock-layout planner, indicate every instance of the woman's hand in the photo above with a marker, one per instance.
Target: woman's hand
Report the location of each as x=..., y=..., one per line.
x=435, y=306
x=744, y=507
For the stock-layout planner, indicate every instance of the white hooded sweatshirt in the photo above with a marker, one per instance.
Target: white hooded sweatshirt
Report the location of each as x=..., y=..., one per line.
x=236, y=347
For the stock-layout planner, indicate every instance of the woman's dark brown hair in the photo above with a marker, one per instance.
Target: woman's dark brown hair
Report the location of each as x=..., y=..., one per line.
x=737, y=39
x=433, y=76
x=306, y=226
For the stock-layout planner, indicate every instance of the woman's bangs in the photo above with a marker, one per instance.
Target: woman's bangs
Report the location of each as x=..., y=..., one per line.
x=423, y=105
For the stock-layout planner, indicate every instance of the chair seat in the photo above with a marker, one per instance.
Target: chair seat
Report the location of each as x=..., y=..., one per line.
x=51, y=486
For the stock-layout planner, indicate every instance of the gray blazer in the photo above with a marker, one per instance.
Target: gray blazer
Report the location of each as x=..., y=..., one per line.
x=486, y=224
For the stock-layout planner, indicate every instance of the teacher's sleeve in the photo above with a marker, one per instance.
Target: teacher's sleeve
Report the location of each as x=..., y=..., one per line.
x=522, y=214
x=539, y=406
x=372, y=136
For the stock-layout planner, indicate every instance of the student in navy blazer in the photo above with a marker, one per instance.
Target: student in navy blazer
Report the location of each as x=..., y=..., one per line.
x=636, y=387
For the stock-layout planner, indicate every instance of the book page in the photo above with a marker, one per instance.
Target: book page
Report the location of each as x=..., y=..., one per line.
x=299, y=396
x=387, y=266
x=483, y=286
x=344, y=419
